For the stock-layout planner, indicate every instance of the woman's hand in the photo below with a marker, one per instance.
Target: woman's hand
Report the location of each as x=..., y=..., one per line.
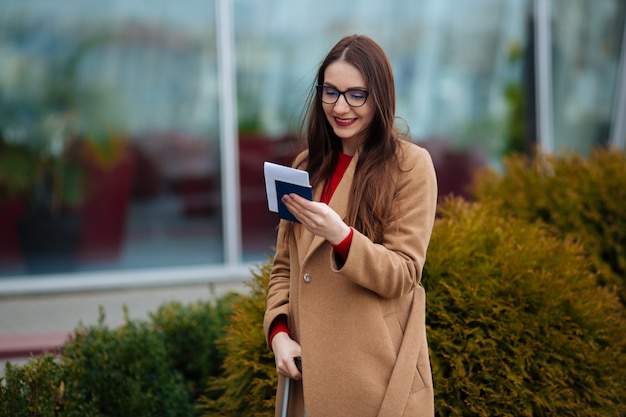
x=286, y=350
x=317, y=218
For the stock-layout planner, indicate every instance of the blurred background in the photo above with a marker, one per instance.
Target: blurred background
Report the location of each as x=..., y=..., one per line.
x=133, y=133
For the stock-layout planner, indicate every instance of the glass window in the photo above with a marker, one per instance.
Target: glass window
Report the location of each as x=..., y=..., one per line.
x=451, y=62
x=109, y=111
x=585, y=58
x=109, y=135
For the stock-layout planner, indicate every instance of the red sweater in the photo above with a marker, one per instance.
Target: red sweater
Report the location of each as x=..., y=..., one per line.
x=342, y=249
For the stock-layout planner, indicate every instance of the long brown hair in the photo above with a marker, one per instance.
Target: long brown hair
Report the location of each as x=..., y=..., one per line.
x=370, y=196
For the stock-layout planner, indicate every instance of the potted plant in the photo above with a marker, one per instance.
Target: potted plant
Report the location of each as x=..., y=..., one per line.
x=64, y=177
x=41, y=172
x=109, y=164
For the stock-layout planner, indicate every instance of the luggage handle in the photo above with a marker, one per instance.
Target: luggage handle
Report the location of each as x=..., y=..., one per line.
x=286, y=387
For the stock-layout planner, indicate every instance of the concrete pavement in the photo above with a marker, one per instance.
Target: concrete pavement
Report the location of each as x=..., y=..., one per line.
x=35, y=323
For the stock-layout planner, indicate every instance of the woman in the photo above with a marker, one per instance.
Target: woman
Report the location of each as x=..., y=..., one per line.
x=344, y=292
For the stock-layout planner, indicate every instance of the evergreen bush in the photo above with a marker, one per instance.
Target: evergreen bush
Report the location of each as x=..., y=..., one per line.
x=517, y=325
x=142, y=368
x=581, y=197
x=190, y=332
x=35, y=389
x=124, y=371
x=248, y=385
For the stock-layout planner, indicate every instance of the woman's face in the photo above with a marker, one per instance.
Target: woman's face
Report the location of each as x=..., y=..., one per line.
x=348, y=122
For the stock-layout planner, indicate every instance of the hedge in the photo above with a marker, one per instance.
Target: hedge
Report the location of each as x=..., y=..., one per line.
x=517, y=324
x=190, y=333
x=584, y=198
x=248, y=384
x=122, y=371
x=34, y=389
x=147, y=368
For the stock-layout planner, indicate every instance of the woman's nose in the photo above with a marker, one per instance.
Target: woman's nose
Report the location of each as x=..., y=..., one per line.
x=342, y=105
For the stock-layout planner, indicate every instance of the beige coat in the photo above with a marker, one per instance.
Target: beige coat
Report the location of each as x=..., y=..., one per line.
x=362, y=325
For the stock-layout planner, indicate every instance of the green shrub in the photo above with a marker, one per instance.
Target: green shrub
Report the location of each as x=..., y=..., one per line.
x=153, y=368
x=584, y=198
x=35, y=389
x=122, y=372
x=248, y=385
x=517, y=325
x=190, y=332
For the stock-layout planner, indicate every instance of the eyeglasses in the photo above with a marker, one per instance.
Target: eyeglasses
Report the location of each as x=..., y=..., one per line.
x=354, y=97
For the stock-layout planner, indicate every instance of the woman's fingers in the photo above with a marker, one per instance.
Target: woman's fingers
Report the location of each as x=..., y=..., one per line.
x=285, y=351
x=317, y=217
x=290, y=369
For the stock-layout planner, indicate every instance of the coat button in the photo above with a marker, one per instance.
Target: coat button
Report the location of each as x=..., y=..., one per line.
x=307, y=278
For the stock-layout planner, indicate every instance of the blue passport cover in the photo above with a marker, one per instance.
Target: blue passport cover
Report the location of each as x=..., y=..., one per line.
x=283, y=188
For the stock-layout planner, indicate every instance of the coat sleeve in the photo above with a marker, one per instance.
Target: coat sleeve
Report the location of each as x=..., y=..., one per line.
x=393, y=268
x=278, y=289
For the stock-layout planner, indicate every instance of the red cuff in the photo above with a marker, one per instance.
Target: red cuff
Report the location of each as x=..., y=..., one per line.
x=343, y=247
x=278, y=325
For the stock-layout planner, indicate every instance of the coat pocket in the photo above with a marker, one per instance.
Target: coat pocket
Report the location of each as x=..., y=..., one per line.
x=423, y=375
x=395, y=331
x=420, y=403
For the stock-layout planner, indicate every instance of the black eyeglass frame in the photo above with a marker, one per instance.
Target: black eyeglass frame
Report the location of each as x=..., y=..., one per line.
x=320, y=89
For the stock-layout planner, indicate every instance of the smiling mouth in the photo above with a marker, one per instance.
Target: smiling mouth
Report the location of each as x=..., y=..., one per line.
x=344, y=122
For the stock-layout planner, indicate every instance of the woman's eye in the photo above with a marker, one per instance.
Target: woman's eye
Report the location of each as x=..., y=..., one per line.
x=330, y=92
x=357, y=95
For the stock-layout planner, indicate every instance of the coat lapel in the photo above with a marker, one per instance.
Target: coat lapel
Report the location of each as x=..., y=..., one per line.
x=338, y=202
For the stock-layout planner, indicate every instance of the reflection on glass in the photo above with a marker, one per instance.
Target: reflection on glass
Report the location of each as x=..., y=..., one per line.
x=451, y=64
x=586, y=53
x=109, y=110
x=109, y=144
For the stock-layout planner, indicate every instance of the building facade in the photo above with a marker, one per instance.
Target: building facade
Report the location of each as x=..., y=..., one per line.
x=145, y=125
